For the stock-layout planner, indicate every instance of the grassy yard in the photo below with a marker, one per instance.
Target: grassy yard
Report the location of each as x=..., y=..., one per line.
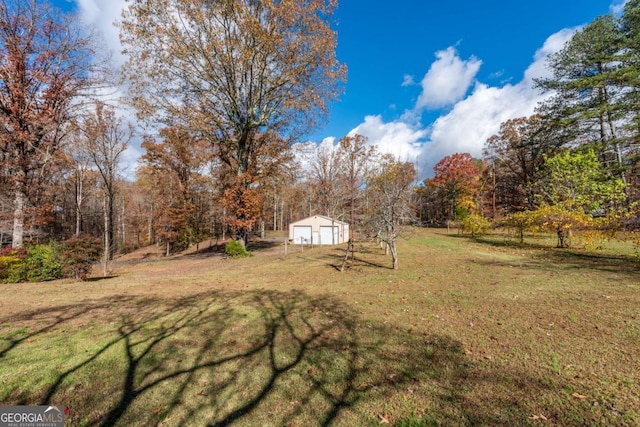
x=467, y=332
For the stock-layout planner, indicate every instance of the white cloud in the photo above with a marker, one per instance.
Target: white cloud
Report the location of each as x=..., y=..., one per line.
x=472, y=117
x=102, y=15
x=407, y=80
x=398, y=138
x=305, y=153
x=471, y=120
x=553, y=44
x=448, y=79
x=89, y=10
x=617, y=6
x=476, y=118
x=401, y=139
x=130, y=160
x=496, y=75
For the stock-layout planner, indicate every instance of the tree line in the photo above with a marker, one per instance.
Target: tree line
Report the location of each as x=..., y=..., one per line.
x=226, y=89
x=575, y=163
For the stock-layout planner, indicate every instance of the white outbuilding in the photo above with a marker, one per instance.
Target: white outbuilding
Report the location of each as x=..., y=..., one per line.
x=319, y=230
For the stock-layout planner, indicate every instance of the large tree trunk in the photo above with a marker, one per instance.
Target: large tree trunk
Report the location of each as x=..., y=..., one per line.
x=275, y=213
x=107, y=237
x=151, y=237
x=243, y=237
x=394, y=253
x=19, y=202
x=224, y=223
x=109, y=226
x=78, y=220
x=79, y=187
x=282, y=215
x=123, y=225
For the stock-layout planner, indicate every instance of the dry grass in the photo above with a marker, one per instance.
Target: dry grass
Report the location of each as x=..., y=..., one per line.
x=467, y=332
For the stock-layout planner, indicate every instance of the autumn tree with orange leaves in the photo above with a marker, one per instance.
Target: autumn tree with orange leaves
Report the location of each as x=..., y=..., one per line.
x=233, y=71
x=457, y=179
x=243, y=196
x=105, y=137
x=45, y=65
x=172, y=174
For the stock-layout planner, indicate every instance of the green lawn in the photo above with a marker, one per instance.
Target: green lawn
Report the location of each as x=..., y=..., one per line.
x=466, y=332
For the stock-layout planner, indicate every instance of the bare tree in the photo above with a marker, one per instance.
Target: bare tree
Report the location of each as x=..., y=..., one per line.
x=106, y=137
x=357, y=159
x=324, y=177
x=81, y=160
x=389, y=195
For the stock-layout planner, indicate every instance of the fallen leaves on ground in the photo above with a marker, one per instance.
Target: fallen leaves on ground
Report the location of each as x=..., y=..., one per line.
x=538, y=417
x=384, y=419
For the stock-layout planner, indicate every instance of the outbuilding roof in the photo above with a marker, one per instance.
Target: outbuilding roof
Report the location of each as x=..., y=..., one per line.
x=329, y=219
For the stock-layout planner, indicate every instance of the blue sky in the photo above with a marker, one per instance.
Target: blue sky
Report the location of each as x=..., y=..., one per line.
x=383, y=43
x=425, y=78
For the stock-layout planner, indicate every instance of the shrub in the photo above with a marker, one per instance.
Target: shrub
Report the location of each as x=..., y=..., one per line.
x=43, y=262
x=236, y=250
x=475, y=224
x=12, y=268
x=79, y=254
x=520, y=222
x=40, y=263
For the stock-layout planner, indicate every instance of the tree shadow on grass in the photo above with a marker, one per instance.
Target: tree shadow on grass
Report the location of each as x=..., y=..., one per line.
x=335, y=257
x=502, y=241
x=260, y=245
x=574, y=259
x=336, y=262
x=100, y=278
x=261, y=358
x=254, y=244
x=545, y=257
x=43, y=321
x=209, y=250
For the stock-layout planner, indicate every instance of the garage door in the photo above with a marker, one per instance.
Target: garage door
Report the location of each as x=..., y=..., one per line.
x=301, y=234
x=325, y=235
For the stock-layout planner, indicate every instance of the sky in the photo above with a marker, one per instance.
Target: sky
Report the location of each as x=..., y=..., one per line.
x=426, y=78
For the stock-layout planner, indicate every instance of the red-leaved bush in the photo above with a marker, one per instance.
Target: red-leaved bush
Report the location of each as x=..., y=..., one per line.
x=80, y=253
